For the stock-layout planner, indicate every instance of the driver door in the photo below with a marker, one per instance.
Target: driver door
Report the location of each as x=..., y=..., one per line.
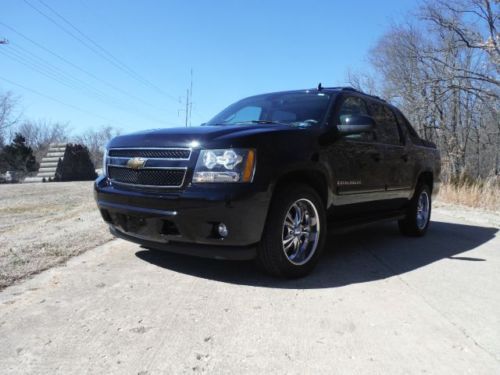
x=356, y=160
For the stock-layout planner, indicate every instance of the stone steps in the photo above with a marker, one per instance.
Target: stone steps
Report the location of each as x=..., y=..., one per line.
x=48, y=164
x=47, y=169
x=51, y=159
x=55, y=155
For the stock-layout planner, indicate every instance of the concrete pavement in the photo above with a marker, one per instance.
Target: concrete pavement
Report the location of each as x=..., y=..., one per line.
x=378, y=303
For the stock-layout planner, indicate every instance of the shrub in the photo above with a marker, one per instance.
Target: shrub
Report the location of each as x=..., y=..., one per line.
x=76, y=165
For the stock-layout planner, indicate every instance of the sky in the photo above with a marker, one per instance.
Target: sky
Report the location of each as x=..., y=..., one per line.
x=128, y=64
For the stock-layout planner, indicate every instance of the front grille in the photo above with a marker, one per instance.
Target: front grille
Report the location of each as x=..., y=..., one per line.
x=149, y=177
x=173, y=153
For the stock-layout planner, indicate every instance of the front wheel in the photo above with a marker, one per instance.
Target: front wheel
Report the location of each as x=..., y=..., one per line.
x=295, y=233
x=418, y=213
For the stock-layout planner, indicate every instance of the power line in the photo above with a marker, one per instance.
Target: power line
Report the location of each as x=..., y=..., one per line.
x=191, y=109
x=95, y=47
x=37, y=60
x=57, y=100
x=70, y=84
x=26, y=63
x=77, y=83
x=66, y=61
x=45, y=70
x=102, y=52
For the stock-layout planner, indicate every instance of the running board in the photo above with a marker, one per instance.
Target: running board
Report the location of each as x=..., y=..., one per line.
x=344, y=226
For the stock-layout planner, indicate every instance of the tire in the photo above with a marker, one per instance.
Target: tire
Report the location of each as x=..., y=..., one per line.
x=418, y=213
x=296, y=222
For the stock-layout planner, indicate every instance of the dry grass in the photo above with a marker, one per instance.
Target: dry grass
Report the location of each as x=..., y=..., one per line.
x=480, y=194
x=42, y=225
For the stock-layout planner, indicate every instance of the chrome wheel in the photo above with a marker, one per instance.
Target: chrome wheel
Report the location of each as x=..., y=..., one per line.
x=423, y=210
x=300, y=232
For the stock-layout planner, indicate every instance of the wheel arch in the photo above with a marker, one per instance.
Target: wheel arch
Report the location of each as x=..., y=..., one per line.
x=315, y=178
x=426, y=177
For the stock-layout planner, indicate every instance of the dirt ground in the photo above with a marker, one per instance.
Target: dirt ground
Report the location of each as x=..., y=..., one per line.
x=44, y=224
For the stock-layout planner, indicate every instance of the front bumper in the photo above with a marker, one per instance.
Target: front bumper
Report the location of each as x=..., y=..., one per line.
x=186, y=221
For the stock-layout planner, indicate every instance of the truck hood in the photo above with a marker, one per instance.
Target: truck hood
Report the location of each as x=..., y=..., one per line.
x=202, y=136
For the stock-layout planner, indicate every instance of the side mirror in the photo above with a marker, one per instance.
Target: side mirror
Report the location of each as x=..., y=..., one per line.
x=355, y=124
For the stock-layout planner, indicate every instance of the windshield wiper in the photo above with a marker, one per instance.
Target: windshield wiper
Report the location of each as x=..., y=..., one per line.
x=267, y=122
x=251, y=122
x=259, y=122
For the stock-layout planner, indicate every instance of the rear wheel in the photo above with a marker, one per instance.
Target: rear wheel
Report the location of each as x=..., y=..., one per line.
x=418, y=213
x=295, y=233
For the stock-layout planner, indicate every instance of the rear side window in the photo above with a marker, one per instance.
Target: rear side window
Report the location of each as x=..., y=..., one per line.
x=408, y=129
x=387, y=126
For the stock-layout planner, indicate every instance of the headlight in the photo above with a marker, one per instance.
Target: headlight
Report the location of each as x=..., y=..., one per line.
x=229, y=165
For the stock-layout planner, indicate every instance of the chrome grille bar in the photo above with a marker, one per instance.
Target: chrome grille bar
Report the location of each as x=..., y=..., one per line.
x=167, y=169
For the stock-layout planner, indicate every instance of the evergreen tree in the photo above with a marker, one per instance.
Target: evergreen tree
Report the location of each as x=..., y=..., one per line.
x=17, y=156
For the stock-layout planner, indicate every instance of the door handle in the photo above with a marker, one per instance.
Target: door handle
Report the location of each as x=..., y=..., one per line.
x=404, y=157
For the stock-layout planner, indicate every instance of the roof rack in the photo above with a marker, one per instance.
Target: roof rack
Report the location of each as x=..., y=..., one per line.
x=348, y=88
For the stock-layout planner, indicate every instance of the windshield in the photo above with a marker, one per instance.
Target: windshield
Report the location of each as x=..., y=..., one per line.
x=296, y=109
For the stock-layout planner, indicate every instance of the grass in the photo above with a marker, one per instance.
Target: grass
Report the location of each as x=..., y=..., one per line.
x=43, y=225
x=484, y=194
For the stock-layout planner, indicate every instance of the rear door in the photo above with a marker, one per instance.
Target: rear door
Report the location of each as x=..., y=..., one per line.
x=396, y=158
x=412, y=146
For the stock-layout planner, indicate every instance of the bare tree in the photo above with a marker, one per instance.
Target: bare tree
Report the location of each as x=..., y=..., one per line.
x=8, y=115
x=475, y=24
x=40, y=134
x=96, y=140
x=442, y=71
x=363, y=81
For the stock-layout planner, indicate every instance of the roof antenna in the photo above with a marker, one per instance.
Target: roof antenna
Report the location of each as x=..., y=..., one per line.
x=320, y=87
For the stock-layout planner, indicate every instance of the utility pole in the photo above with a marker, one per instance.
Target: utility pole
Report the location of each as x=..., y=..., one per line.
x=189, y=102
x=191, y=98
x=187, y=106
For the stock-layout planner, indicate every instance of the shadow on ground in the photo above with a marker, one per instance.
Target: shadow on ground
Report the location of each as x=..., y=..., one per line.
x=369, y=254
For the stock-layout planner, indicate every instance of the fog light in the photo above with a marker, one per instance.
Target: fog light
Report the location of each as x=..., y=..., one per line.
x=222, y=229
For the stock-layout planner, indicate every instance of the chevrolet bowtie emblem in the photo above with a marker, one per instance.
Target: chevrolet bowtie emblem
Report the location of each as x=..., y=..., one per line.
x=136, y=163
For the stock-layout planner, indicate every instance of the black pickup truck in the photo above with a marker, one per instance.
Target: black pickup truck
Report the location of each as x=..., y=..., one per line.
x=267, y=176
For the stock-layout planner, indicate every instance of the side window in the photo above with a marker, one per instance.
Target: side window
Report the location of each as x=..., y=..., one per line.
x=387, y=126
x=353, y=105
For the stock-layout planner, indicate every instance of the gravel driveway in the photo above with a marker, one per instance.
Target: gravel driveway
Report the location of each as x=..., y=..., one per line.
x=378, y=303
